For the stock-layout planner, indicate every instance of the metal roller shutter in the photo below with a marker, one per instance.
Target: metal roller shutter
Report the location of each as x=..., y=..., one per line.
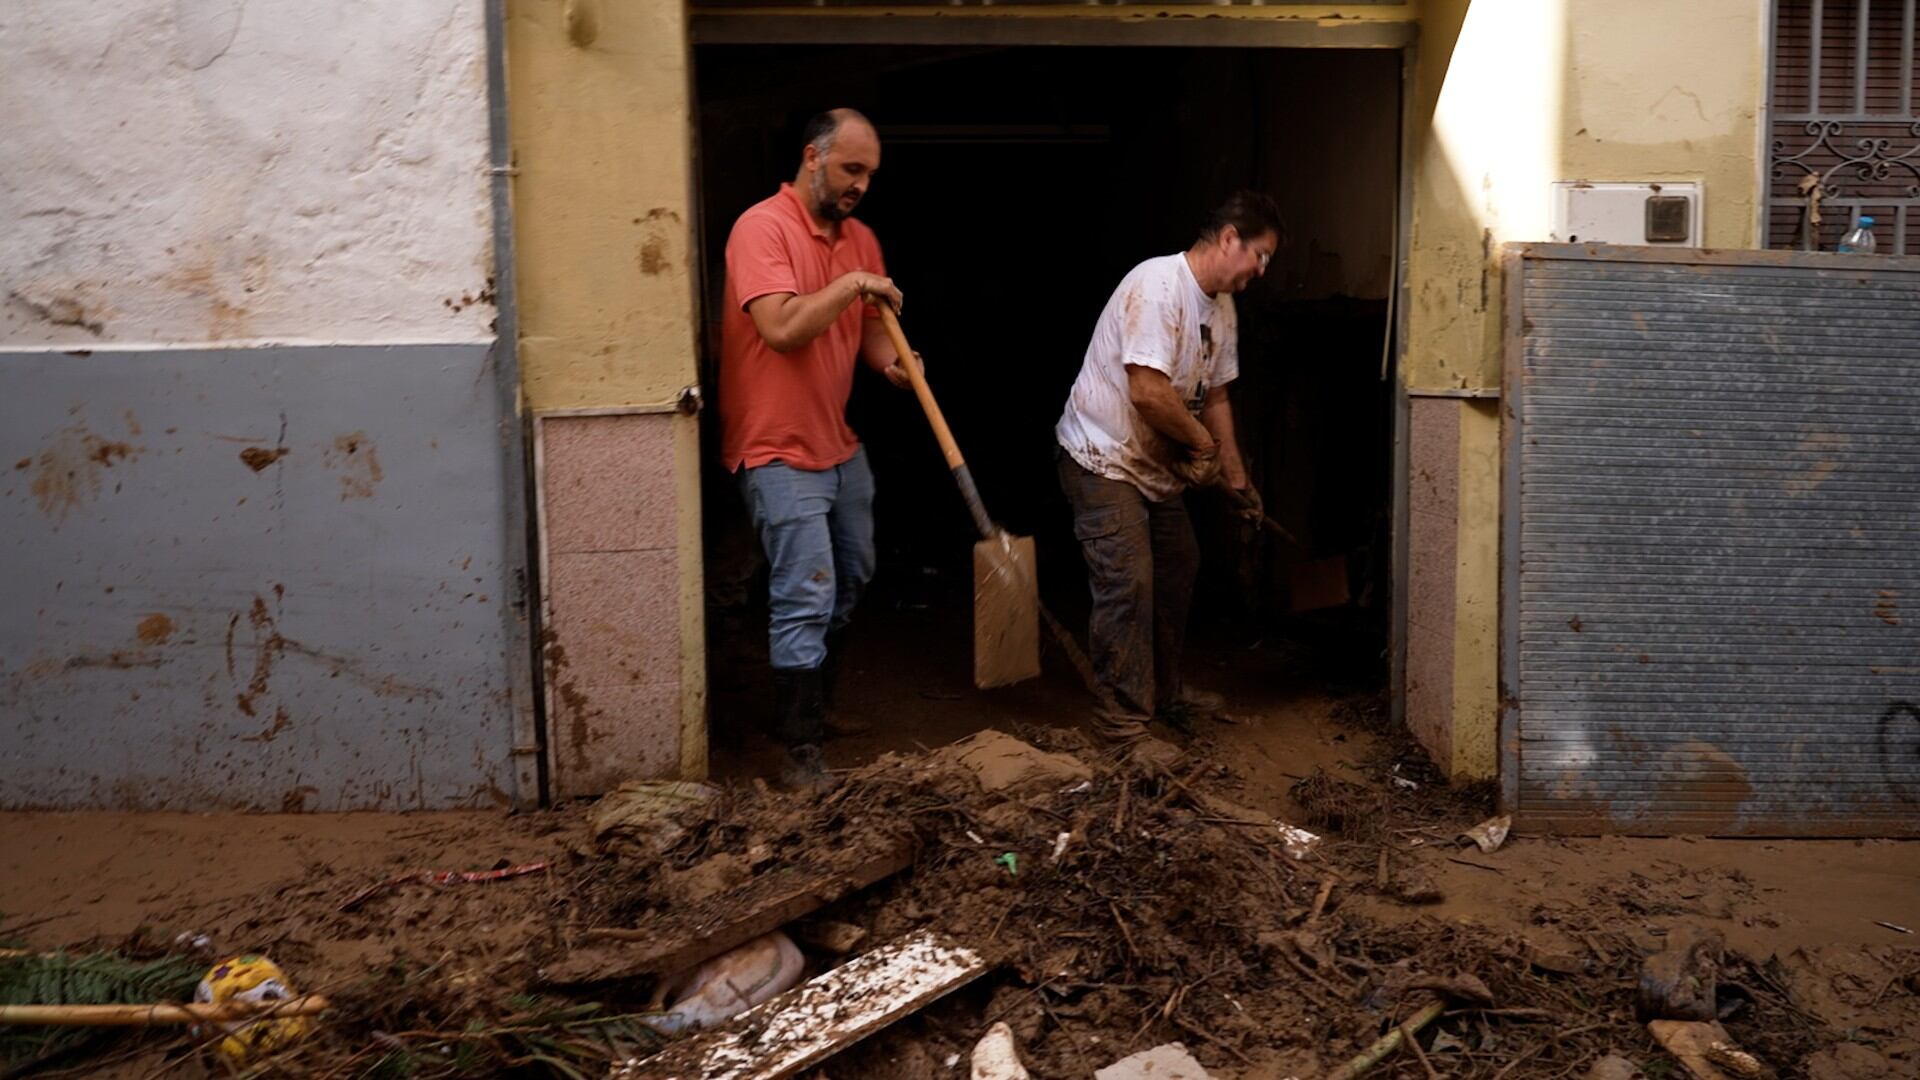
x=1711, y=590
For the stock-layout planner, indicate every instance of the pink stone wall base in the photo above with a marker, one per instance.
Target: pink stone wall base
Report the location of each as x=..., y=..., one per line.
x=612, y=592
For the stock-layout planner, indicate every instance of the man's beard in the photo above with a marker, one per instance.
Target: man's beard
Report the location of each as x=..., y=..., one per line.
x=826, y=203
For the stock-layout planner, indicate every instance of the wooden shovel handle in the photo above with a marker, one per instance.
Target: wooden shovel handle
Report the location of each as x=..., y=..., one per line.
x=920, y=388
x=961, y=474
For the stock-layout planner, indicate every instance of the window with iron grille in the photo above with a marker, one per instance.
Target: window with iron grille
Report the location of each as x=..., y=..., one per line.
x=1845, y=136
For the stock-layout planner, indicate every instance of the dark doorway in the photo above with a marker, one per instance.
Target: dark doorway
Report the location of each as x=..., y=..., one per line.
x=1017, y=186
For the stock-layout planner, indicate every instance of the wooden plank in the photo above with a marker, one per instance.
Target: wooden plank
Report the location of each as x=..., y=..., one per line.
x=820, y=1018
x=682, y=939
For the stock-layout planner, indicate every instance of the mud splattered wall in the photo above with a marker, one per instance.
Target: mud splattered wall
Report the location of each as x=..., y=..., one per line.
x=255, y=497
x=603, y=224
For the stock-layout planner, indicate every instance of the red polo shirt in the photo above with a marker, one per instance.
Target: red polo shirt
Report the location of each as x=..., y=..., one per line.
x=790, y=407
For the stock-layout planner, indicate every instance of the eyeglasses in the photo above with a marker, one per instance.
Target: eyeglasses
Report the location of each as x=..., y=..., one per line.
x=1264, y=257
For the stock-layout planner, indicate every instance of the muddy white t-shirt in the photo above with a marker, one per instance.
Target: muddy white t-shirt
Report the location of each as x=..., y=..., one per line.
x=1158, y=318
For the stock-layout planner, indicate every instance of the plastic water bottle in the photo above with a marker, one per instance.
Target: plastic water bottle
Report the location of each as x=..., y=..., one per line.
x=1858, y=241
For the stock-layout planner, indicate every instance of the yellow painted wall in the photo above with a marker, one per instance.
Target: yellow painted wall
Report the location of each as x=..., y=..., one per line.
x=1664, y=91
x=599, y=93
x=1485, y=152
x=1512, y=95
x=602, y=200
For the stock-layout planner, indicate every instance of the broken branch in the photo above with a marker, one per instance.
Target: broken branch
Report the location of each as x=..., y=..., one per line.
x=1388, y=1043
x=1419, y=1052
x=1320, y=899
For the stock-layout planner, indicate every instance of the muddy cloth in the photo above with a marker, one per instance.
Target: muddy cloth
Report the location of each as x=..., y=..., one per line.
x=1160, y=319
x=1142, y=560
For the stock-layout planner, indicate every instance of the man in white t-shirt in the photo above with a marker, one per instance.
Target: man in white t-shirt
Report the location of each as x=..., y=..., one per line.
x=1148, y=418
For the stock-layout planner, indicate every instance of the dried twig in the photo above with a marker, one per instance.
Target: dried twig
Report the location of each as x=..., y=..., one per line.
x=1513, y=1014
x=1320, y=900
x=1085, y=1066
x=1185, y=1025
x=1785, y=997
x=1898, y=976
x=1413, y=1043
x=1180, y=786
x=1388, y=1043
x=1551, y=1040
x=1000, y=922
x=1016, y=1003
x=1132, y=949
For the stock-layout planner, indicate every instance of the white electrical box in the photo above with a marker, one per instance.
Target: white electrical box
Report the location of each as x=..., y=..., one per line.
x=1662, y=214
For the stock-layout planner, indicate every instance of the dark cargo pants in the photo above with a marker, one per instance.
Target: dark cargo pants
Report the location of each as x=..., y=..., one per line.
x=1142, y=560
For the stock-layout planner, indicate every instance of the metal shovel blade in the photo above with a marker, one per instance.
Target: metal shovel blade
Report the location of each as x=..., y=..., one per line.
x=1006, y=611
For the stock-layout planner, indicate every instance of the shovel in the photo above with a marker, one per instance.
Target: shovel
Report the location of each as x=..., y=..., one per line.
x=1241, y=502
x=1006, y=596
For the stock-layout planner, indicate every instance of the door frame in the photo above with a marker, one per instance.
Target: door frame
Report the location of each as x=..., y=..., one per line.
x=1110, y=27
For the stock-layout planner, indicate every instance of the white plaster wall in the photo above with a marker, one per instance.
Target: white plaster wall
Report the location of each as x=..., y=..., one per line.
x=179, y=172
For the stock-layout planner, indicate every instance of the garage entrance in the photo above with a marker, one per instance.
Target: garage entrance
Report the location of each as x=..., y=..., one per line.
x=1018, y=185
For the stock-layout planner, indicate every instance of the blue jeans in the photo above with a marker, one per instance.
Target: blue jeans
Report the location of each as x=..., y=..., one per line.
x=817, y=529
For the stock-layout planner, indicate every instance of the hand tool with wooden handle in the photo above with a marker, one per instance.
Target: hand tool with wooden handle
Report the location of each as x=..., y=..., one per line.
x=1006, y=595
x=1241, y=502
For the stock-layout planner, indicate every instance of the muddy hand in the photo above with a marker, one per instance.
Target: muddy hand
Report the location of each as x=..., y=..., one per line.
x=1201, y=466
x=1248, y=505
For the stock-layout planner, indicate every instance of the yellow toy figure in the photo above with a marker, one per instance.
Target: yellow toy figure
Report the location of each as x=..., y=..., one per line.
x=255, y=979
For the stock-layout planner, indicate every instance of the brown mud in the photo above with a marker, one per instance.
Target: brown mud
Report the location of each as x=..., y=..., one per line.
x=1166, y=916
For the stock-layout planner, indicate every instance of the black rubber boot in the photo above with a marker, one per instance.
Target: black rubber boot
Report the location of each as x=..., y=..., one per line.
x=830, y=667
x=799, y=709
x=835, y=723
x=802, y=718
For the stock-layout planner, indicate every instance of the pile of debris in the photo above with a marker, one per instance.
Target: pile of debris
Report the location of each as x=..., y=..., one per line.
x=1097, y=904
x=1120, y=892
x=1004, y=909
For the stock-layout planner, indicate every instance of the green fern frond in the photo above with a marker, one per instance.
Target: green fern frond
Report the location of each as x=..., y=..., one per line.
x=96, y=979
x=84, y=979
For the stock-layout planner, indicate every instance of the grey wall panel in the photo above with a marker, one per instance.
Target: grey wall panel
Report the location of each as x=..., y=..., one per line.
x=259, y=578
x=1713, y=545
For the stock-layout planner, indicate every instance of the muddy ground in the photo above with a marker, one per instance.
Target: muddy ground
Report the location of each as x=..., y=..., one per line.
x=1166, y=917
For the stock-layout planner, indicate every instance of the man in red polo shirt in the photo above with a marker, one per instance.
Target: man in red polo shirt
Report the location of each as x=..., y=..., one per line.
x=802, y=280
